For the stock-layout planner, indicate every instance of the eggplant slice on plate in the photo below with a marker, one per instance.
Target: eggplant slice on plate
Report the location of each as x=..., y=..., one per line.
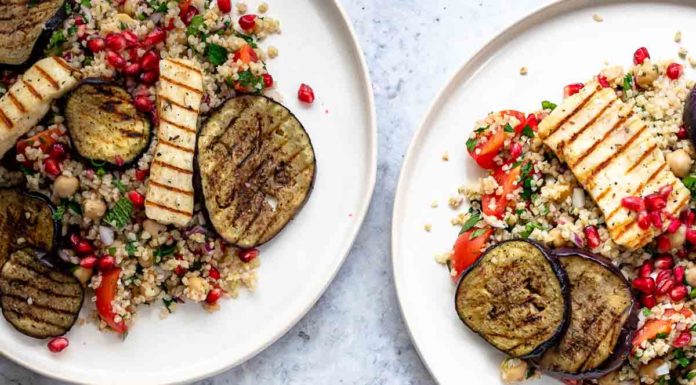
x=36, y=299
x=26, y=220
x=104, y=124
x=257, y=168
x=516, y=297
x=25, y=29
x=604, y=317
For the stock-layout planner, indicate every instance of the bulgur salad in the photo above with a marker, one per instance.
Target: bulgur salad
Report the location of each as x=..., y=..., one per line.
x=576, y=250
x=144, y=160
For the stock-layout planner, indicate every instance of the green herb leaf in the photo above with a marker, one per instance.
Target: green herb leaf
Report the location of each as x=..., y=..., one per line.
x=119, y=216
x=164, y=251
x=529, y=229
x=55, y=43
x=216, y=54
x=528, y=132
x=247, y=38
x=690, y=183
x=59, y=213
x=691, y=375
x=481, y=129
x=131, y=248
x=167, y=304
x=646, y=312
x=111, y=250
x=141, y=16
x=662, y=335
x=194, y=28
x=548, y=105
x=119, y=185
x=248, y=80
x=471, y=144
x=26, y=170
x=68, y=8
x=123, y=26
x=101, y=172
x=72, y=30
x=477, y=233
x=74, y=207
x=526, y=169
x=508, y=128
x=471, y=222
x=627, y=82
x=86, y=3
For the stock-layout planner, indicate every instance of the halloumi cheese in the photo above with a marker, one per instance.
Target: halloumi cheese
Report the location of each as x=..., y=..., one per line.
x=613, y=154
x=169, y=196
x=30, y=98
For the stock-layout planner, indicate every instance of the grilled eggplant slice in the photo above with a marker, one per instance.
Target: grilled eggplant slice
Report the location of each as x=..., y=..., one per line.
x=25, y=29
x=37, y=300
x=26, y=220
x=516, y=297
x=257, y=168
x=104, y=124
x=604, y=317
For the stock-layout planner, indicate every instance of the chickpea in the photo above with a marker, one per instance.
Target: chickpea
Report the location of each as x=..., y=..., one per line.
x=513, y=370
x=680, y=162
x=645, y=75
x=153, y=228
x=146, y=260
x=690, y=276
x=678, y=237
x=650, y=370
x=557, y=238
x=94, y=209
x=65, y=186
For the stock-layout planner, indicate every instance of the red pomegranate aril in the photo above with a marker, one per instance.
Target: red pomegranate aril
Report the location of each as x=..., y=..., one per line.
x=96, y=44
x=679, y=272
x=664, y=262
x=267, y=80
x=115, y=42
x=682, y=133
x=682, y=253
x=115, y=60
x=248, y=255
x=143, y=104
x=58, y=344
x=640, y=55
x=572, y=89
x=79, y=20
x=132, y=69
x=602, y=80
x=225, y=6
x=674, y=71
x=130, y=38
x=305, y=94
x=214, y=273
x=247, y=22
x=74, y=239
x=691, y=236
x=149, y=77
x=683, y=339
x=644, y=285
x=645, y=269
x=665, y=191
x=515, y=150
x=644, y=220
x=136, y=198
x=649, y=301
x=188, y=16
x=678, y=293
x=106, y=263
x=592, y=236
x=141, y=175
x=674, y=226
x=88, y=262
x=656, y=219
x=664, y=245
x=180, y=271
x=664, y=286
x=155, y=37
x=654, y=202
x=213, y=296
x=633, y=203
x=119, y=160
x=84, y=247
x=57, y=151
x=51, y=166
x=687, y=216
x=149, y=61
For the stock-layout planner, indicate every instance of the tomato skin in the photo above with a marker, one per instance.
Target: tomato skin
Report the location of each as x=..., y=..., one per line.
x=467, y=250
x=105, y=296
x=246, y=54
x=517, y=115
x=509, y=181
x=485, y=154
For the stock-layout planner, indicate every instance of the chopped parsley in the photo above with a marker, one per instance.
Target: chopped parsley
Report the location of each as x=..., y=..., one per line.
x=508, y=128
x=123, y=26
x=646, y=312
x=471, y=144
x=111, y=250
x=141, y=16
x=477, y=233
x=59, y=213
x=247, y=38
x=164, y=251
x=528, y=187
x=691, y=375
x=627, y=82
x=119, y=185
x=168, y=303
x=690, y=183
x=68, y=8
x=249, y=81
x=119, y=216
x=86, y=3
x=216, y=54
x=681, y=358
x=26, y=170
x=481, y=129
x=194, y=28
x=72, y=30
x=662, y=335
x=131, y=248
x=693, y=328
x=74, y=207
x=548, y=105
x=471, y=222
x=55, y=43
x=157, y=6
x=528, y=132
x=529, y=229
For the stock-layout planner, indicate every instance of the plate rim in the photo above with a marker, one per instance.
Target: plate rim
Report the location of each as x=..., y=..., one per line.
x=359, y=216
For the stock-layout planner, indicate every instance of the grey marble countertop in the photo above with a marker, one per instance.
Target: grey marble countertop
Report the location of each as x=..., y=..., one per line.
x=355, y=333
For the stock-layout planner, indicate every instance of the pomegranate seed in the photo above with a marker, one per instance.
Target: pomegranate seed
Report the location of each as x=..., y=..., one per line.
x=305, y=94
x=57, y=152
x=115, y=60
x=592, y=236
x=572, y=89
x=225, y=6
x=674, y=71
x=664, y=245
x=179, y=271
x=119, y=160
x=213, y=296
x=644, y=220
x=88, y=262
x=74, y=239
x=633, y=203
x=682, y=339
x=155, y=37
x=645, y=269
x=132, y=69
x=149, y=61
x=84, y=247
x=682, y=253
x=51, y=167
x=115, y=42
x=649, y=301
x=247, y=22
x=602, y=80
x=688, y=217
x=674, y=226
x=654, y=202
x=81, y=32
x=664, y=262
x=79, y=20
x=190, y=13
x=58, y=344
x=679, y=274
x=644, y=285
x=130, y=38
x=214, y=273
x=656, y=219
x=664, y=286
x=96, y=44
x=640, y=55
x=106, y=263
x=143, y=104
x=149, y=77
x=662, y=275
x=691, y=236
x=678, y=293
x=682, y=133
x=665, y=191
x=141, y=175
x=267, y=80
x=248, y=255
x=137, y=198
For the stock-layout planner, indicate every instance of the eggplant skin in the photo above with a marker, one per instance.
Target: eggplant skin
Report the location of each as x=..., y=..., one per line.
x=256, y=169
x=689, y=117
x=104, y=125
x=604, y=318
x=39, y=301
x=31, y=24
x=29, y=217
x=515, y=296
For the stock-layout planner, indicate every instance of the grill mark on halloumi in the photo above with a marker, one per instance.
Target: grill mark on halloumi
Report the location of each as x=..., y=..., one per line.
x=16, y=102
x=603, y=194
x=5, y=119
x=639, y=190
x=593, y=172
x=179, y=126
x=182, y=85
x=63, y=64
x=640, y=160
x=575, y=111
x=47, y=77
x=175, y=146
x=185, y=66
x=172, y=167
x=616, y=126
x=167, y=208
x=170, y=101
x=168, y=187
x=32, y=90
x=576, y=134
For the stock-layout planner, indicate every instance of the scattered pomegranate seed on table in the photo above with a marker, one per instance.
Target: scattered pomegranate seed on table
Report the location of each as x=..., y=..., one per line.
x=602, y=80
x=640, y=55
x=664, y=245
x=179, y=271
x=149, y=61
x=572, y=89
x=155, y=37
x=247, y=22
x=213, y=296
x=130, y=38
x=674, y=226
x=248, y=255
x=691, y=236
x=674, y=71
x=115, y=60
x=305, y=94
x=149, y=77
x=656, y=219
x=58, y=344
x=57, y=152
x=646, y=269
x=644, y=220
x=664, y=285
x=267, y=80
x=132, y=69
x=679, y=272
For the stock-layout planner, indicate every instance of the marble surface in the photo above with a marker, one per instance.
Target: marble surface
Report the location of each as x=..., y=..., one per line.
x=355, y=333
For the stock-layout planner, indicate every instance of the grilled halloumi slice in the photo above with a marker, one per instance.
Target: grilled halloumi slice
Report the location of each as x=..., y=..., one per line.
x=613, y=155
x=30, y=98
x=169, y=197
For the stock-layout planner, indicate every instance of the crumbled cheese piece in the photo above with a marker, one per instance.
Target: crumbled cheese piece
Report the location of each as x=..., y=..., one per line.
x=598, y=18
x=677, y=37
x=523, y=71
x=455, y=202
x=428, y=227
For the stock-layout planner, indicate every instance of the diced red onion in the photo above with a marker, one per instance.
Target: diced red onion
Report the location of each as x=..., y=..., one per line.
x=578, y=198
x=106, y=235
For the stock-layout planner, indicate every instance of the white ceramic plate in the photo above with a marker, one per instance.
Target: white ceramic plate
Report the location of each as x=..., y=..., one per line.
x=560, y=44
x=317, y=47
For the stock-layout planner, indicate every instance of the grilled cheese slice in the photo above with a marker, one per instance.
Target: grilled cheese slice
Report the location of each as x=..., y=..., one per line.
x=30, y=98
x=613, y=155
x=169, y=197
